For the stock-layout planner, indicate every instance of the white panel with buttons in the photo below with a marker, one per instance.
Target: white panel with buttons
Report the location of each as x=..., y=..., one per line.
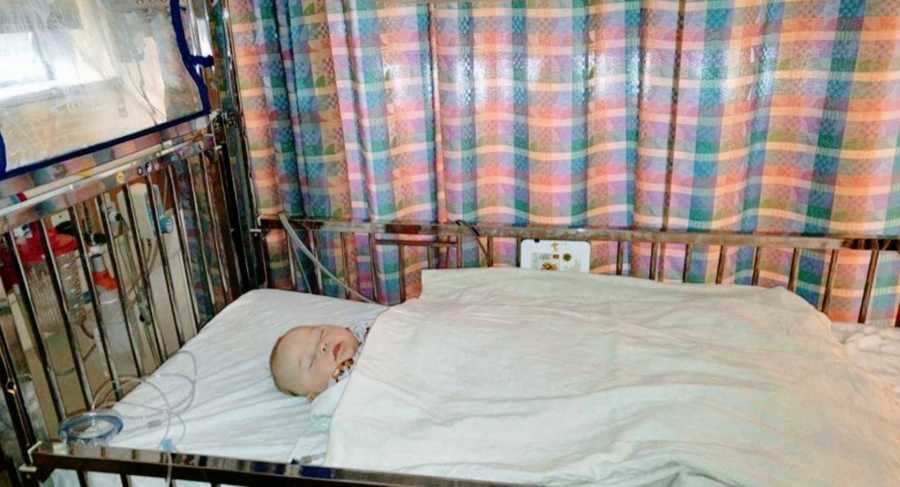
x=556, y=255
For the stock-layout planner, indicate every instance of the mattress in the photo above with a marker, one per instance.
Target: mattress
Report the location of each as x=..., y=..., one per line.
x=236, y=410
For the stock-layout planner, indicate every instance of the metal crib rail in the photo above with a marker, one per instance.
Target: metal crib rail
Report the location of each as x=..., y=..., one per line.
x=451, y=236
x=85, y=198
x=218, y=470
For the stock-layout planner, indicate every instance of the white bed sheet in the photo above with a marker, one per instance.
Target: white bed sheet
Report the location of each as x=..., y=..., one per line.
x=873, y=349
x=236, y=411
x=612, y=381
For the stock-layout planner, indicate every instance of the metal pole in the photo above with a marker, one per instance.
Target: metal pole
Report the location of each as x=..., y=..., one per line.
x=401, y=269
x=229, y=196
x=795, y=266
x=293, y=271
x=214, y=221
x=185, y=254
x=373, y=252
x=12, y=390
x=757, y=257
x=490, y=249
x=518, y=252
x=95, y=299
x=25, y=293
x=430, y=256
x=145, y=276
x=620, y=257
x=829, y=281
x=720, y=268
x=687, y=262
x=348, y=264
x=661, y=266
x=120, y=281
x=164, y=259
x=60, y=294
x=314, y=248
x=201, y=244
x=867, y=290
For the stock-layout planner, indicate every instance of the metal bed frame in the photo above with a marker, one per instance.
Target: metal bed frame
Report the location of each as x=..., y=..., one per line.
x=211, y=199
x=449, y=238
x=234, y=262
x=44, y=457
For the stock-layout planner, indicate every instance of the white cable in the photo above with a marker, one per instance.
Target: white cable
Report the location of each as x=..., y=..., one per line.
x=169, y=410
x=296, y=238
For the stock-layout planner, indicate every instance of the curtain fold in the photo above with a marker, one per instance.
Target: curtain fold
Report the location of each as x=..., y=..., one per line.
x=766, y=116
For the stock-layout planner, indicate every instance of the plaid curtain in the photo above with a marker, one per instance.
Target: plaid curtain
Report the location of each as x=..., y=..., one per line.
x=766, y=116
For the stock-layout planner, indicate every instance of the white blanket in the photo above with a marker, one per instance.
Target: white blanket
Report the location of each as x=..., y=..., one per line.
x=568, y=379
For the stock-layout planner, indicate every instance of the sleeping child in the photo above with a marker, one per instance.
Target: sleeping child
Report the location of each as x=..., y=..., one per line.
x=307, y=360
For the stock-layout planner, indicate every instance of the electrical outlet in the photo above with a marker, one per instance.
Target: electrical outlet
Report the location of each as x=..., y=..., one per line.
x=556, y=255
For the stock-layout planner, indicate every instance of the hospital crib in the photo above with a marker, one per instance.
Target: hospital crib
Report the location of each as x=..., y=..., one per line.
x=109, y=273
x=172, y=301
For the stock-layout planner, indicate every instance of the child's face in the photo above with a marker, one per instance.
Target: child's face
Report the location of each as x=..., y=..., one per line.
x=307, y=357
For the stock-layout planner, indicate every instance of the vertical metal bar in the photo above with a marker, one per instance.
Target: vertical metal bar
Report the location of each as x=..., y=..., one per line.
x=232, y=214
x=82, y=478
x=231, y=76
x=200, y=243
x=164, y=260
x=12, y=391
x=620, y=256
x=870, y=284
x=429, y=253
x=688, y=248
x=95, y=299
x=59, y=292
x=314, y=248
x=292, y=265
x=829, y=281
x=145, y=275
x=518, y=251
x=490, y=251
x=126, y=481
x=264, y=252
x=795, y=266
x=661, y=266
x=757, y=256
x=214, y=221
x=459, y=251
x=720, y=268
x=182, y=244
x=401, y=265
x=654, y=249
x=120, y=280
x=25, y=293
x=348, y=264
x=373, y=260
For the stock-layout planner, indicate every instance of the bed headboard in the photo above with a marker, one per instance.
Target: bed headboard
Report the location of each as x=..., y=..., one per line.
x=769, y=259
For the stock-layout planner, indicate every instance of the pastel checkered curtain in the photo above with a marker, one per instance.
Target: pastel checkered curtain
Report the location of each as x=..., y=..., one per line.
x=766, y=116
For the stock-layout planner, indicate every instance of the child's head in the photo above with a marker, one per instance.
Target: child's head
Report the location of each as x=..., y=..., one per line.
x=305, y=358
